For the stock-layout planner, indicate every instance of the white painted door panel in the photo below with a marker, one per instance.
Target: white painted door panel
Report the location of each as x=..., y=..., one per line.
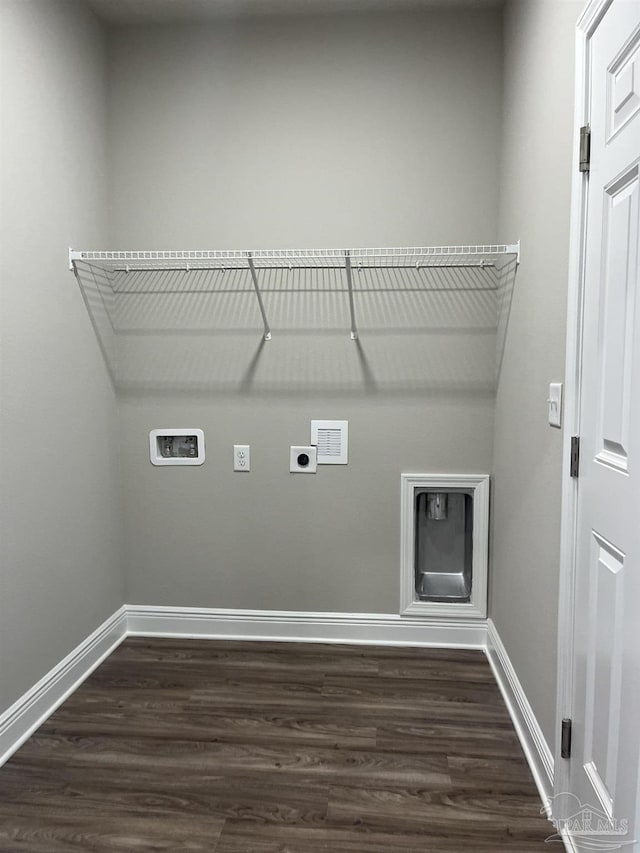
x=605, y=763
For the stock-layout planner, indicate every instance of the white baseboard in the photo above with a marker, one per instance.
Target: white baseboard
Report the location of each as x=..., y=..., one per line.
x=19, y=721
x=569, y=845
x=534, y=744
x=369, y=628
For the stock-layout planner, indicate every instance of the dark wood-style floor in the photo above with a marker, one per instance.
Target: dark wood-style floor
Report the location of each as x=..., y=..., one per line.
x=233, y=747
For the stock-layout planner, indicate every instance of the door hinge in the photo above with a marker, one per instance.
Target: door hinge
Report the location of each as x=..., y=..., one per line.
x=574, y=468
x=565, y=742
x=585, y=148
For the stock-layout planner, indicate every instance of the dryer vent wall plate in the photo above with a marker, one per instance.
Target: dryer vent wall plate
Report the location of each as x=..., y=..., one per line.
x=332, y=440
x=176, y=446
x=303, y=460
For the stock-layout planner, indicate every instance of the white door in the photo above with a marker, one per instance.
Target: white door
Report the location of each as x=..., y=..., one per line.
x=604, y=766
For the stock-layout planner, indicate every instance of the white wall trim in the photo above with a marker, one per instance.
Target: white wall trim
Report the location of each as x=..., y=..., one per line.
x=292, y=626
x=22, y=718
x=534, y=744
x=569, y=845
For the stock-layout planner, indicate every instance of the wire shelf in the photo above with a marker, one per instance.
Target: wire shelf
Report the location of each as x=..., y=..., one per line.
x=146, y=292
x=421, y=256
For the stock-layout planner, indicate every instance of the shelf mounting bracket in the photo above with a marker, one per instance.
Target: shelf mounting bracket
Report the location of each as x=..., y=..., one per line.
x=73, y=256
x=254, y=276
x=347, y=266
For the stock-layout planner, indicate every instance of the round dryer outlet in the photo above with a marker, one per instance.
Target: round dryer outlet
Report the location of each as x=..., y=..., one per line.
x=303, y=459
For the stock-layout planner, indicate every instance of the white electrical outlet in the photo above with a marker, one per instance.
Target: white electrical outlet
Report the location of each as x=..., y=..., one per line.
x=241, y=457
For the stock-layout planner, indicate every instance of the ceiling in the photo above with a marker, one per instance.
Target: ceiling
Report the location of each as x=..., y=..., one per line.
x=121, y=12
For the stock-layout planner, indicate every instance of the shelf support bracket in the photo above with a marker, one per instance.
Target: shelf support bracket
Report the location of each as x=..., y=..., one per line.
x=254, y=276
x=347, y=266
x=73, y=256
x=514, y=249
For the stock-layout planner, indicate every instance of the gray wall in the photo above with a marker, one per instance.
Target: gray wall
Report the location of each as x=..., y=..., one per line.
x=350, y=131
x=335, y=131
x=60, y=549
x=534, y=205
x=357, y=129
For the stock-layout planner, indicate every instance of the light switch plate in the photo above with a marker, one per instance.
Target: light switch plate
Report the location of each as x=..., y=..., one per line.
x=555, y=404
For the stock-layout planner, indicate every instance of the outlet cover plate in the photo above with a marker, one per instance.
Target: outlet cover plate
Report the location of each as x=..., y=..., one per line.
x=241, y=457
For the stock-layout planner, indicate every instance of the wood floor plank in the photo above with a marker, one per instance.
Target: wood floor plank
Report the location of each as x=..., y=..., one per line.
x=497, y=772
x=421, y=810
x=112, y=793
x=239, y=837
x=417, y=691
x=352, y=700
x=231, y=760
x=190, y=677
x=56, y=833
x=230, y=746
x=287, y=657
x=467, y=739
x=215, y=726
x=462, y=670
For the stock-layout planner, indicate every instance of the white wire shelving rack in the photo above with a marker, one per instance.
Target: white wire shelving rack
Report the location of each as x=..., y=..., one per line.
x=487, y=259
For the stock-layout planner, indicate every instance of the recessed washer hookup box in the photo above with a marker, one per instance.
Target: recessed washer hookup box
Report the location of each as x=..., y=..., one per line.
x=176, y=446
